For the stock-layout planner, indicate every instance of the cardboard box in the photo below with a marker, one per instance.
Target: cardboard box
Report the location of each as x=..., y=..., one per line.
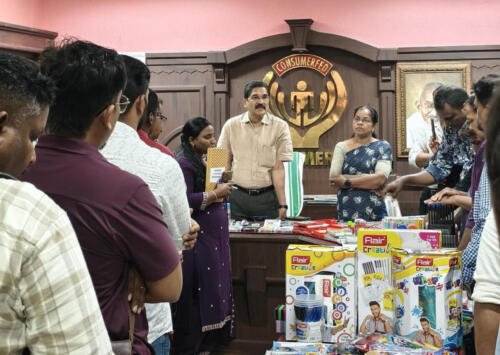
x=329, y=273
x=375, y=290
x=428, y=296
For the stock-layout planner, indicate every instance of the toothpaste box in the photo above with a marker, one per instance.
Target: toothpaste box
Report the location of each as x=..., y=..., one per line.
x=375, y=289
x=428, y=296
x=330, y=274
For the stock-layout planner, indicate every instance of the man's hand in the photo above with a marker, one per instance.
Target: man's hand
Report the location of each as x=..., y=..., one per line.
x=136, y=291
x=434, y=145
x=282, y=213
x=189, y=239
x=394, y=187
x=446, y=192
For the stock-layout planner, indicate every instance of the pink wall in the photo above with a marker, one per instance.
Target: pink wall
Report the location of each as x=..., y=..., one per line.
x=20, y=12
x=198, y=25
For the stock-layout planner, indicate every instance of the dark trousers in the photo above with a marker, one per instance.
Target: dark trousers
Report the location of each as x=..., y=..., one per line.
x=245, y=206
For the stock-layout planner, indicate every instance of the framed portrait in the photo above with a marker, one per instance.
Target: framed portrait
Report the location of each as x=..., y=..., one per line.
x=415, y=83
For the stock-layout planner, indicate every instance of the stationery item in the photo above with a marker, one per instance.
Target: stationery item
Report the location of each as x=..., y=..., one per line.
x=283, y=347
x=375, y=290
x=392, y=206
x=428, y=296
x=410, y=222
x=393, y=344
x=328, y=274
x=442, y=217
x=308, y=315
x=217, y=160
x=434, y=137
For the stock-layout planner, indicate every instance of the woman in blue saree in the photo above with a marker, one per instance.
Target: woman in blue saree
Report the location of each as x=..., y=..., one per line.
x=360, y=168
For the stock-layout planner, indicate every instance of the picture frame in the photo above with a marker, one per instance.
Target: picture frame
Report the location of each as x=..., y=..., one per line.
x=411, y=77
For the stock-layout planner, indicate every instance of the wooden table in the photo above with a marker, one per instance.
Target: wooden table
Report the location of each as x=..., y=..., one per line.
x=258, y=271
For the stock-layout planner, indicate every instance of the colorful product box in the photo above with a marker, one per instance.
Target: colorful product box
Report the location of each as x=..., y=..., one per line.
x=375, y=290
x=428, y=296
x=329, y=273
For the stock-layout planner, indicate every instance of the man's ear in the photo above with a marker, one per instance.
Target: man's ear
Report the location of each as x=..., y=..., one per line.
x=244, y=102
x=140, y=105
x=106, y=117
x=151, y=118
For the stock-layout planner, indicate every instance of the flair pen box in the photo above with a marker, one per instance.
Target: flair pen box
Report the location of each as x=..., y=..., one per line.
x=329, y=273
x=375, y=289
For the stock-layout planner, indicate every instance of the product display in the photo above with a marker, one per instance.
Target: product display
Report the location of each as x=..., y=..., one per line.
x=375, y=290
x=320, y=277
x=428, y=296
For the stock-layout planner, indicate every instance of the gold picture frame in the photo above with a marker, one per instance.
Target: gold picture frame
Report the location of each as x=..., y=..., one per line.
x=411, y=78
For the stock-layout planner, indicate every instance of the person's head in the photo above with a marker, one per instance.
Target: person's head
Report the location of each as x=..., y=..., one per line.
x=256, y=99
x=449, y=101
x=375, y=308
x=425, y=103
x=199, y=133
x=470, y=129
x=492, y=153
x=89, y=81
x=364, y=121
x=136, y=90
x=483, y=90
x=25, y=96
x=152, y=121
x=424, y=322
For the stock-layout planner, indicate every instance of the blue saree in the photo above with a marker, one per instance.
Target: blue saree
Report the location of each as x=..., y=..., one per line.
x=358, y=203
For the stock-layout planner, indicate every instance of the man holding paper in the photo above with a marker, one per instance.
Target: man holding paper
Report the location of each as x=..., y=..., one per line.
x=258, y=144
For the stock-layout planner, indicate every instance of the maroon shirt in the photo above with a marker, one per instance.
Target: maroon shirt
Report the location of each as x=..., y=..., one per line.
x=117, y=221
x=145, y=138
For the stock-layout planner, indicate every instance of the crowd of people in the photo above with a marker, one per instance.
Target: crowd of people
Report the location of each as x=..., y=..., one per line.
x=110, y=242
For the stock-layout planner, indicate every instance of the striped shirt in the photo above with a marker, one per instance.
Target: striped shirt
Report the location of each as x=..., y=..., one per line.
x=47, y=301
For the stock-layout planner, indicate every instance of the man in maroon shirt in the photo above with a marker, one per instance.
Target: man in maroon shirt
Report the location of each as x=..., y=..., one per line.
x=116, y=218
x=150, y=126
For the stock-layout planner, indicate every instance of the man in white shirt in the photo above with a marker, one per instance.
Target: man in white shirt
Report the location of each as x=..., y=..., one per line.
x=47, y=302
x=419, y=128
x=164, y=177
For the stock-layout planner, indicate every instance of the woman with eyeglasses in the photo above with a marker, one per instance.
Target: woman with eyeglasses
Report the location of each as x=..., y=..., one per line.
x=204, y=316
x=360, y=168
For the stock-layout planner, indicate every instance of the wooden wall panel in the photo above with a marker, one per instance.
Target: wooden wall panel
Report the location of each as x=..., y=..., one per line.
x=359, y=75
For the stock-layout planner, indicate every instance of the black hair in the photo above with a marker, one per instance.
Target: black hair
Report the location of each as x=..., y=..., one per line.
x=192, y=129
x=374, y=303
x=24, y=91
x=451, y=95
x=470, y=102
x=153, y=106
x=492, y=150
x=252, y=85
x=484, y=88
x=423, y=319
x=138, y=76
x=88, y=78
x=373, y=115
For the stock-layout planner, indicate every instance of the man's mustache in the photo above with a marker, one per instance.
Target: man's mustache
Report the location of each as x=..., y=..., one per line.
x=260, y=106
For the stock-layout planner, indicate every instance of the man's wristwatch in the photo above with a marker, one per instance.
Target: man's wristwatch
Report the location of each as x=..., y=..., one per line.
x=283, y=206
x=347, y=183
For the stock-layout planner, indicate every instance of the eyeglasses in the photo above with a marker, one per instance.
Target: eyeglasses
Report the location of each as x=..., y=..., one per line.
x=123, y=104
x=364, y=120
x=160, y=116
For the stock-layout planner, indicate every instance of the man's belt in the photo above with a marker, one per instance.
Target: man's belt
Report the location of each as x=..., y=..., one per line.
x=255, y=192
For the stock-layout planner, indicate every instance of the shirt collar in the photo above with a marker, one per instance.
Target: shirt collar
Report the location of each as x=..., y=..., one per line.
x=245, y=118
x=67, y=144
